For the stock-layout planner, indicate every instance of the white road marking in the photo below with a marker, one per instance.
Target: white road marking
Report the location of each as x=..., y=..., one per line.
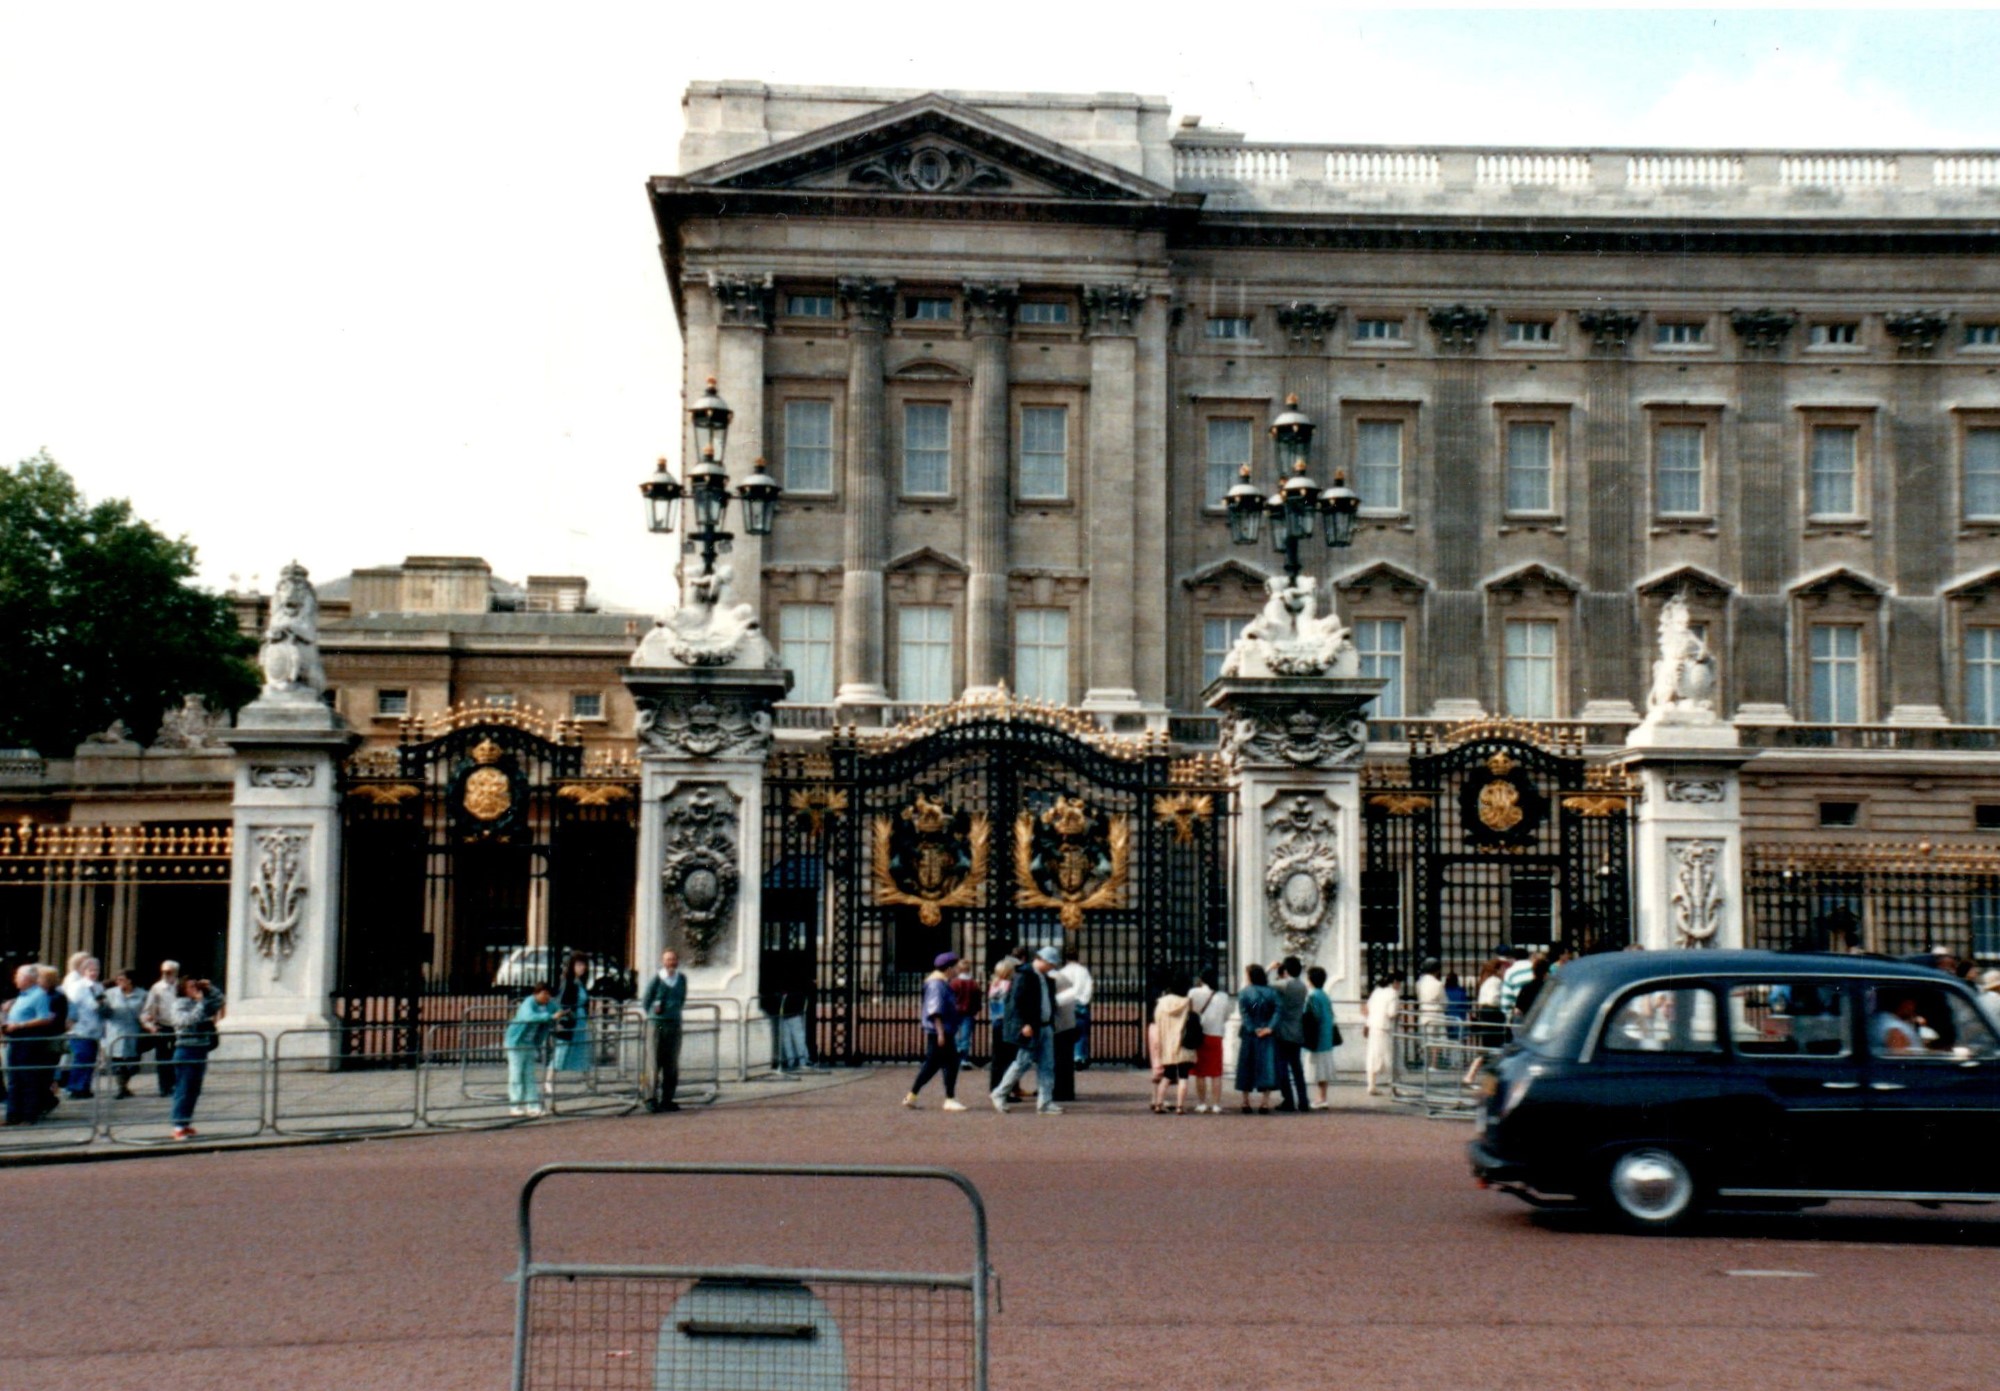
x=1774, y=1274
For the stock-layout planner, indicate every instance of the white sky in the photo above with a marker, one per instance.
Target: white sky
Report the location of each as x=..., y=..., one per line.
x=354, y=282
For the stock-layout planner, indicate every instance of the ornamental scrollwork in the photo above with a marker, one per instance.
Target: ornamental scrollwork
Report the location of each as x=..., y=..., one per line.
x=1112, y=308
x=1070, y=861
x=278, y=887
x=1302, y=869
x=930, y=858
x=816, y=806
x=929, y=168
x=1303, y=322
x=1610, y=330
x=283, y=776
x=871, y=304
x=1915, y=330
x=742, y=301
x=1762, y=330
x=1457, y=327
x=702, y=728
x=1699, y=791
x=1298, y=738
x=698, y=865
x=1180, y=812
x=1697, y=891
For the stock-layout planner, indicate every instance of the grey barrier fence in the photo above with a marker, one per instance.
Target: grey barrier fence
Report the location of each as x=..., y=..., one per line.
x=1436, y=1061
x=725, y=1327
x=231, y=1105
x=347, y=1080
x=702, y=1030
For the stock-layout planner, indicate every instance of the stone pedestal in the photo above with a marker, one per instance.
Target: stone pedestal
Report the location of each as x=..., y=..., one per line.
x=1295, y=745
x=1687, y=888
x=704, y=734
x=284, y=882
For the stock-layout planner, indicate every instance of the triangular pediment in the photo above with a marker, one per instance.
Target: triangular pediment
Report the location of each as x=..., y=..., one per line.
x=1535, y=575
x=1839, y=582
x=1224, y=572
x=1980, y=585
x=928, y=147
x=1381, y=574
x=925, y=558
x=1692, y=580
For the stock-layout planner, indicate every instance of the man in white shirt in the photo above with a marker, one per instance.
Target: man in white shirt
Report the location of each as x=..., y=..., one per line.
x=1430, y=1005
x=1517, y=976
x=1077, y=981
x=156, y=1017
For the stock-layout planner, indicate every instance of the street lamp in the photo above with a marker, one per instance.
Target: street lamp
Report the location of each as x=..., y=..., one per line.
x=1298, y=501
x=707, y=487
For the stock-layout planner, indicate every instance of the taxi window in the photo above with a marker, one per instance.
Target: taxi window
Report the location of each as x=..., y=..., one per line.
x=1790, y=1019
x=1919, y=1021
x=1679, y=1020
x=1555, y=1011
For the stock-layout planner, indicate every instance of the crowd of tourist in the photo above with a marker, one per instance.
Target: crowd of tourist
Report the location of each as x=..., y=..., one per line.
x=67, y=1035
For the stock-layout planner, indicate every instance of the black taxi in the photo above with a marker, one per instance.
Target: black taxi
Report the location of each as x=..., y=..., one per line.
x=1654, y=1084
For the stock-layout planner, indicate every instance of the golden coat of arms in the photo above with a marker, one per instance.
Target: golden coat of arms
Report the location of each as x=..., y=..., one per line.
x=488, y=791
x=1500, y=805
x=1071, y=861
x=930, y=859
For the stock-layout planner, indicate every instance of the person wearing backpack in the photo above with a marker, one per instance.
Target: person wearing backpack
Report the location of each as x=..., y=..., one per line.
x=1176, y=1023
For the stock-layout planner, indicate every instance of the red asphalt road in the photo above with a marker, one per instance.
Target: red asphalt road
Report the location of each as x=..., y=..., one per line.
x=1345, y=1250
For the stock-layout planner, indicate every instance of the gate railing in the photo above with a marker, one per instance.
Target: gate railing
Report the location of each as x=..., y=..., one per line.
x=1895, y=899
x=1437, y=1062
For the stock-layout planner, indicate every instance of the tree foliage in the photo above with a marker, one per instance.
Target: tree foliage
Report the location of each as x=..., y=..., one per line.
x=98, y=620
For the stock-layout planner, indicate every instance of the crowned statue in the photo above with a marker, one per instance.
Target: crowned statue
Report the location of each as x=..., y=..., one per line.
x=1683, y=690
x=1291, y=637
x=289, y=655
x=708, y=631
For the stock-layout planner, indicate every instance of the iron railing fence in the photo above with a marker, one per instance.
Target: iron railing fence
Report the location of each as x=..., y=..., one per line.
x=1437, y=1062
x=1896, y=900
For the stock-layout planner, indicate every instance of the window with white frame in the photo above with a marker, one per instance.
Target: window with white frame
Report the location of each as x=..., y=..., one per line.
x=392, y=702
x=1982, y=473
x=1982, y=676
x=1530, y=331
x=1229, y=440
x=809, y=306
x=1984, y=911
x=1043, y=311
x=1529, y=679
x=1378, y=464
x=586, y=705
x=1377, y=330
x=1839, y=333
x=805, y=646
x=927, y=308
x=1379, y=642
x=1834, y=653
x=1041, y=654
x=1982, y=335
x=808, y=447
x=1229, y=326
x=1836, y=452
x=926, y=449
x=1679, y=469
x=1680, y=333
x=1044, y=451
x=1530, y=466
x=923, y=653
x=1218, y=635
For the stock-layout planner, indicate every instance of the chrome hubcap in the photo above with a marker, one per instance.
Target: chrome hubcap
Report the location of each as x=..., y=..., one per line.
x=1651, y=1184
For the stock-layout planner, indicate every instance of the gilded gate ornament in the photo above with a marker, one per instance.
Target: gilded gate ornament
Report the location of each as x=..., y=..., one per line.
x=815, y=806
x=488, y=791
x=930, y=859
x=1181, y=811
x=1500, y=806
x=1070, y=861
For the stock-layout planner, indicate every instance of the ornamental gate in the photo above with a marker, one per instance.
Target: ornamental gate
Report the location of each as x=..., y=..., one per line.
x=475, y=854
x=974, y=828
x=1498, y=834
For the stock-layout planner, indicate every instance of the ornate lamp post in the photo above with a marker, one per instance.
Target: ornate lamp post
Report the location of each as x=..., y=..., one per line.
x=707, y=488
x=1298, y=501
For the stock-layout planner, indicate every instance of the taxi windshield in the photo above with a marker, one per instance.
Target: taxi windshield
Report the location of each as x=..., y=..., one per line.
x=1554, y=1012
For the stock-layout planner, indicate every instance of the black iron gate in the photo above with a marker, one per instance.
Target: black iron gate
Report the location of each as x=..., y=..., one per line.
x=973, y=829
x=476, y=853
x=1501, y=834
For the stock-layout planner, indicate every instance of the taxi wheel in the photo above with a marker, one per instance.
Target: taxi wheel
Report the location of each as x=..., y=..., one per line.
x=1650, y=1189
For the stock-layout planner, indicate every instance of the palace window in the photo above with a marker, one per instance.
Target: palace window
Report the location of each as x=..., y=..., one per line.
x=808, y=447
x=1378, y=330
x=1530, y=331
x=586, y=705
x=926, y=449
x=1680, y=333
x=1679, y=470
x=809, y=306
x=1839, y=334
x=1379, y=641
x=1836, y=453
x=1530, y=672
x=1043, y=311
x=1044, y=452
x=1834, y=654
x=1378, y=464
x=1530, y=466
x=1982, y=676
x=1228, y=451
x=1229, y=326
x=1218, y=635
x=1839, y=816
x=805, y=646
x=923, y=653
x=1982, y=335
x=392, y=702
x=1982, y=473
x=927, y=309
x=1041, y=654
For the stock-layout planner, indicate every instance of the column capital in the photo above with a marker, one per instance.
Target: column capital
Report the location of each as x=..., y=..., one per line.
x=989, y=305
x=1762, y=330
x=1610, y=330
x=1457, y=327
x=871, y=304
x=1916, y=331
x=1112, y=309
x=1304, y=322
x=741, y=301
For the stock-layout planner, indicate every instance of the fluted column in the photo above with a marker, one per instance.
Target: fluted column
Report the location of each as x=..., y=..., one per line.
x=865, y=548
x=1767, y=516
x=1111, y=315
x=989, y=315
x=1608, y=610
x=743, y=305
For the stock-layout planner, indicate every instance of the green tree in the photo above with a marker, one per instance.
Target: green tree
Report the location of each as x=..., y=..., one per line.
x=98, y=620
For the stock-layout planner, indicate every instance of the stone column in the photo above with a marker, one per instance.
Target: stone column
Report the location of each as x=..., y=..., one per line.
x=1456, y=613
x=865, y=547
x=1687, y=886
x=743, y=306
x=1294, y=746
x=1608, y=610
x=1110, y=314
x=703, y=736
x=1915, y=525
x=989, y=312
x=1768, y=514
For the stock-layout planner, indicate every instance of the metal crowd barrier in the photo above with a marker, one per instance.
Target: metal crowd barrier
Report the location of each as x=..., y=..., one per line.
x=714, y=1326
x=1435, y=1061
x=351, y=1080
x=702, y=1026
x=231, y=1106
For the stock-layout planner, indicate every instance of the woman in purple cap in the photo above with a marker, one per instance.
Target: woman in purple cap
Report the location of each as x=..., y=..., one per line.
x=940, y=1023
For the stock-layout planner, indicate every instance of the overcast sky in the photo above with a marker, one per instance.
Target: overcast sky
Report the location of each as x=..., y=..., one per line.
x=354, y=282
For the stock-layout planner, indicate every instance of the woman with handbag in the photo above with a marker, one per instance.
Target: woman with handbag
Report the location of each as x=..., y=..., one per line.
x=1257, y=1048
x=1179, y=1033
x=1212, y=1006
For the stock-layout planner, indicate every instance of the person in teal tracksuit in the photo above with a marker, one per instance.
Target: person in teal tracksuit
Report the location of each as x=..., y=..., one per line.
x=530, y=1026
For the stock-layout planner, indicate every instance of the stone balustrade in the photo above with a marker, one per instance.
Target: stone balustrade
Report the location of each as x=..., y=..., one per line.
x=1912, y=183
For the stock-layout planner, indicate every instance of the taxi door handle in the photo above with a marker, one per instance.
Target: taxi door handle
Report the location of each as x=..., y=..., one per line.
x=1840, y=1086
x=1887, y=1087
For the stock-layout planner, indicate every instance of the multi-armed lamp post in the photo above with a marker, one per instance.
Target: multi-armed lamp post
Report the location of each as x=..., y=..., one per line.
x=707, y=488
x=1297, y=502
